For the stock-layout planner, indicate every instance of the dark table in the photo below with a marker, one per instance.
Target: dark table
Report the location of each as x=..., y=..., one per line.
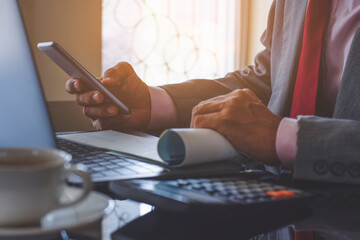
x=333, y=213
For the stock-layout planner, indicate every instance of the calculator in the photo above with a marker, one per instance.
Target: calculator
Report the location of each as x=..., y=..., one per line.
x=210, y=193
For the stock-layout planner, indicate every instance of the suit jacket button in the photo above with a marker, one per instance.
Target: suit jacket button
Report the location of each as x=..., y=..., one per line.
x=338, y=169
x=321, y=167
x=354, y=170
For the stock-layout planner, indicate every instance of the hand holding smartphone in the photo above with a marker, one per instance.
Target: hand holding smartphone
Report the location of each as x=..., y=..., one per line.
x=67, y=63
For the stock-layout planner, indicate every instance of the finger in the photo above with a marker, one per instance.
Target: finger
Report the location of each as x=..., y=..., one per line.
x=118, y=74
x=89, y=98
x=211, y=105
x=100, y=111
x=210, y=120
x=74, y=86
x=216, y=122
x=110, y=77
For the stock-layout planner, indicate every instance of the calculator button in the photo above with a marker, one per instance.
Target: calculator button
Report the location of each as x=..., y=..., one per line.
x=286, y=193
x=280, y=193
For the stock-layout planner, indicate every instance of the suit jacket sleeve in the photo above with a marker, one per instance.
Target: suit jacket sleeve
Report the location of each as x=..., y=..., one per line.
x=328, y=149
x=255, y=77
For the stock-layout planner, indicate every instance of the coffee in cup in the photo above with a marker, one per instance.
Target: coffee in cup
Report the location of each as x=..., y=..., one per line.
x=32, y=182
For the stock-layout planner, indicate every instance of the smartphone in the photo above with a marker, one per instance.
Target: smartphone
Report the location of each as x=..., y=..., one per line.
x=74, y=69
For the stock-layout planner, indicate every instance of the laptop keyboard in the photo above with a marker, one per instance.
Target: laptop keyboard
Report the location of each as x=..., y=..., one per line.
x=104, y=165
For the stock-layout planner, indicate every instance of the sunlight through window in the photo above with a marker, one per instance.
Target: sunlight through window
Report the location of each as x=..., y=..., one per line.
x=170, y=41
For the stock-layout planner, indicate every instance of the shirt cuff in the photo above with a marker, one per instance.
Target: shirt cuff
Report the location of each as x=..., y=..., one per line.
x=163, y=111
x=286, y=140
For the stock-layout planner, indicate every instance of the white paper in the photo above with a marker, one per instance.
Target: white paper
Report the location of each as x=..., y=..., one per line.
x=142, y=145
x=202, y=146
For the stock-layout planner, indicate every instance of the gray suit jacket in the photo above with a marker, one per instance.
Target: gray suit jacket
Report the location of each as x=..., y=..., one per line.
x=328, y=148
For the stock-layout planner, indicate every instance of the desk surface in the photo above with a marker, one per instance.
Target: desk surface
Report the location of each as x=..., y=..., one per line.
x=334, y=214
x=336, y=224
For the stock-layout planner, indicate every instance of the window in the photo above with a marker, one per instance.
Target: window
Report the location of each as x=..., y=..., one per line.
x=169, y=41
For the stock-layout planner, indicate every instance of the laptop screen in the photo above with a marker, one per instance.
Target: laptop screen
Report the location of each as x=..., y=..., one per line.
x=24, y=120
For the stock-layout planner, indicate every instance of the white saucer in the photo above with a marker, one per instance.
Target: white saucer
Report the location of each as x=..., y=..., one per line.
x=90, y=210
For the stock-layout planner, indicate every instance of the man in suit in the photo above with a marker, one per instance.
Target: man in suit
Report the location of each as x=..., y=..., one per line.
x=250, y=107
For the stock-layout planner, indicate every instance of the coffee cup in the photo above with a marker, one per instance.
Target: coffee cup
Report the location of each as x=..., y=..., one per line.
x=32, y=182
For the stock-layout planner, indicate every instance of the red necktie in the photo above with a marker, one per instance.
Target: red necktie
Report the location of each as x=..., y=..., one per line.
x=307, y=78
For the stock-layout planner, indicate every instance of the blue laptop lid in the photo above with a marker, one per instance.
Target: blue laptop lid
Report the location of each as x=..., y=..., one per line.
x=24, y=120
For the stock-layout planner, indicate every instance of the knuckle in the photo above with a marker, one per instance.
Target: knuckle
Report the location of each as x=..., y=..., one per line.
x=110, y=72
x=233, y=103
x=93, y=111
x=82, y=99
x=250, y=94
x=226, y=113
x=241, y=95
x=123, y=65
x=196, y=109
x=246, y=90
x=100, y=111
x=204, y=102
x=120, y=72
x=238, y=92
x=124, y=68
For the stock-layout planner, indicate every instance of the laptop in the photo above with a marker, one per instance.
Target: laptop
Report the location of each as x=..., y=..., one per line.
x=24, y=119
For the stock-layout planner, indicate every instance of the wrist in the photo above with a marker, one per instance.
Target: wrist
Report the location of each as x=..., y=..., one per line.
x=163, y=112
x=286, y=141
